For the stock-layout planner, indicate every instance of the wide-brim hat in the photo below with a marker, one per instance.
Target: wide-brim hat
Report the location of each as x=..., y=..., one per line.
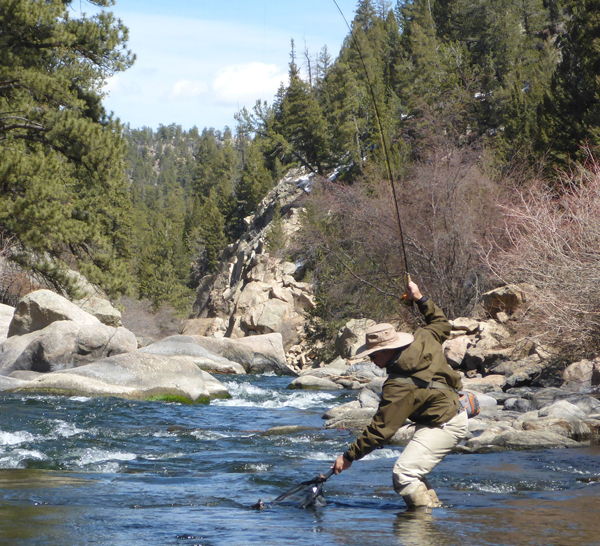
x=381, y=337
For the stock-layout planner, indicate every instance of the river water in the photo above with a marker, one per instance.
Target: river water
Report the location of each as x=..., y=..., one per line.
x=105, y=471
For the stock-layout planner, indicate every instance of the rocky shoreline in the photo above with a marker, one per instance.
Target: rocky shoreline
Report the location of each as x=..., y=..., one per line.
x=525, y=402
x=520, y=418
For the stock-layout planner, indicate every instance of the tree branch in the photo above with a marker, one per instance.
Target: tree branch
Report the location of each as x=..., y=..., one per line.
x=359, y=279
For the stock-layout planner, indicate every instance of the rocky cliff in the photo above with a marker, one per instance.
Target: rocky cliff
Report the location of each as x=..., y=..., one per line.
x=254, y=291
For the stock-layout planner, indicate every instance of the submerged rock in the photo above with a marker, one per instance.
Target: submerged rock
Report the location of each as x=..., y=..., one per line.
x=312, y=382
x=287, y=430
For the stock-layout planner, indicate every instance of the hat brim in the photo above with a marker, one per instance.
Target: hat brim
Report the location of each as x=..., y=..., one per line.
x=402, y=340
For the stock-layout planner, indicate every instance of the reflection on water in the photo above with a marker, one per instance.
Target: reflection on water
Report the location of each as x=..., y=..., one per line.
x=33, y=525
x=569, y=518
x=423, y=528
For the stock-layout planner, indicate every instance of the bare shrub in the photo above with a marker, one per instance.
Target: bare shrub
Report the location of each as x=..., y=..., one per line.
x=140, y=317
x=448, y=206
x=351, y=237
x=554, y=245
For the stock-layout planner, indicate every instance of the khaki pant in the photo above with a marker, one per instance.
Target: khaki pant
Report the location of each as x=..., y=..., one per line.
x=429, y=445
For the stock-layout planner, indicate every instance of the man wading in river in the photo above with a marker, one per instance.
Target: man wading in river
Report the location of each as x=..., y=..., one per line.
x=421, y=386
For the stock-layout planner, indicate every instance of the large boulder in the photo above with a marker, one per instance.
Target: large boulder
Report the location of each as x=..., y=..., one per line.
x=456, y=349
x=352, y=336
x=524, y=376
x=102, y=309
x=62, y=345
x=505, y=299
x=9, y=383
x=520, y=405
x=493, y=330
x=365, y=372
x=340, y=410
x=561, y=409
x=546, y=397
x=267, y=317
x=41, y=308
x=572, y=428
x=187, y=347
x=485, y=355
x=353, y=419
x=579, y=374
x=464, y=324
x=133, y=375
x=483, y=384
x=6, y=315
x=521, y=439
x=256, y=354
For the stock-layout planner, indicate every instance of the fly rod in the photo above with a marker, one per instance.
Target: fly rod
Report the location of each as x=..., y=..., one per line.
x=383, y=144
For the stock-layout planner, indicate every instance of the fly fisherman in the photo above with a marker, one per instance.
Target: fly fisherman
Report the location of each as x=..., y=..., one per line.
x=421, y=386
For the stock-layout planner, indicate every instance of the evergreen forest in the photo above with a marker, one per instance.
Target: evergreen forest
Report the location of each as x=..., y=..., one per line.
x=483, y=114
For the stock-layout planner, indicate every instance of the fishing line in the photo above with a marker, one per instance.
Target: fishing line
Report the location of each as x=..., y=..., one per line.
x=381, y=137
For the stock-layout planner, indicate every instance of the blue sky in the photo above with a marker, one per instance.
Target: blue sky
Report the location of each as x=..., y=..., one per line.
x=198, y=62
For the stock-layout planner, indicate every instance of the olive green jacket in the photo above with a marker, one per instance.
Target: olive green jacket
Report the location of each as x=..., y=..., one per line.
x=424, y=361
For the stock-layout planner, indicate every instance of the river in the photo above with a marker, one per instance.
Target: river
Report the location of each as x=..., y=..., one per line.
x=106, y=471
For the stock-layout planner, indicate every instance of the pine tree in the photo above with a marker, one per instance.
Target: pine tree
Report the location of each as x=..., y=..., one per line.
x=302, y=121
x=256, y=181
x=365, y=54
x=342, y=99
x=365, y=15
x=324, y=64
x=570, y=113
x=63, y=193
x=208, y=240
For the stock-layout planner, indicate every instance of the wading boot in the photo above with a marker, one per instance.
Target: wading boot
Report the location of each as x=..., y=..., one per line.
x=432, y=494
x=420, y=498
x=434, y=498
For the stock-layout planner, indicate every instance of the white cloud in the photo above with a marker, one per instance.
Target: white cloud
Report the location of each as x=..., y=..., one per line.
x=186, y=89
x=117, y=85
x=245, y=83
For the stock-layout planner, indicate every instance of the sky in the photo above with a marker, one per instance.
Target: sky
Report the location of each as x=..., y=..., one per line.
x=200, y=61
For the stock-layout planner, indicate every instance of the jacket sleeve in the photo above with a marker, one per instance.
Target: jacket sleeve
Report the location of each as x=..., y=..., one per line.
x=395, y=407
x=437, y=323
